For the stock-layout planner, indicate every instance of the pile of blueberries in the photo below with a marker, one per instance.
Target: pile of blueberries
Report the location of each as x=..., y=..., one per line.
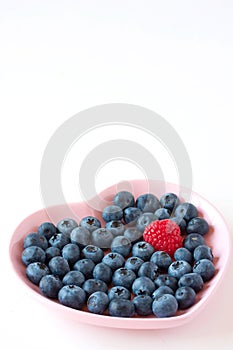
x=111, y=270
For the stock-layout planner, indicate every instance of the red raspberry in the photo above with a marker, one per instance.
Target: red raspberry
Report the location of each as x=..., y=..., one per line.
x=163, y=235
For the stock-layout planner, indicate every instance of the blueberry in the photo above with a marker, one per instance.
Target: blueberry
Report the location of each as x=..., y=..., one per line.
x=180, y=222
x=143, y=250
x=35, y=271
x=143, y=305
x=186, y=210
x=112, y=212
x=144, y=220
x=133, y=234
x=103, y=272
x=143, y=286
x=161, y=291
x=205, y=268
x=149, y=269
x=193, y=240
x=197, y=225
x=93, y=252
x=93, y=285
x=51, y=252
x=114, y=260
x=121, y=308
x=147, y=203
x=71, y=253
x=203, y=252
x=90, y=222
x=162, y=214
x=97, y=302
x=165, y=306
x=119, y=292
x=74, y=277
x=66, y=226
x=33, y=254
x=124, y=199
x=169, y=201
x=121, y=245
x=72, y=296
x=102, y=238
x=80, y=236
x=179, y=268
x=185, y=297
x=59, y=240
x=59, y=266
x=193, y=280
x=161, y=259
x=35, y=239
x=133, y=263
x=47, y=229
x=50, y=286
x=123, y=277
x=166, y=280
x=86, y=266
x=183, y=254
x=116, y=227
x=131, y=214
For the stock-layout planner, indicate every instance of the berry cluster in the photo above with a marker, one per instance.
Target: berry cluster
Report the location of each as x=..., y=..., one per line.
x=151, y=258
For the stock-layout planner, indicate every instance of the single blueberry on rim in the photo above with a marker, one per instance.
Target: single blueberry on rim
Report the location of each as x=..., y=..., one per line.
x=33, y=254
x=165, y=306
x=50, y=285
x=186, y=210
x=35, y=239
x=185, y=297
x=193, y=280
x=97, y=302
x=143, y=305
x=197, y=225
x=35, y=271
x=72, y=296
x=205, y=268
x=121, y=308
x=47, y=229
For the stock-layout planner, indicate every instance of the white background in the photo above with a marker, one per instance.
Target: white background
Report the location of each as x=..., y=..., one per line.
x=60, y=57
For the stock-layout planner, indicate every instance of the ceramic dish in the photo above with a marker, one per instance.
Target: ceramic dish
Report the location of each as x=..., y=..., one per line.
x=217, y=238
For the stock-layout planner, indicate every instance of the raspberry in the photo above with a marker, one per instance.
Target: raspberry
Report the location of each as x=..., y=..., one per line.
x=163, y=235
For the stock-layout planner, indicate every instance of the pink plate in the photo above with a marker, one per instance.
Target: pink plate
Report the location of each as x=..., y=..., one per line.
x=218, y=239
